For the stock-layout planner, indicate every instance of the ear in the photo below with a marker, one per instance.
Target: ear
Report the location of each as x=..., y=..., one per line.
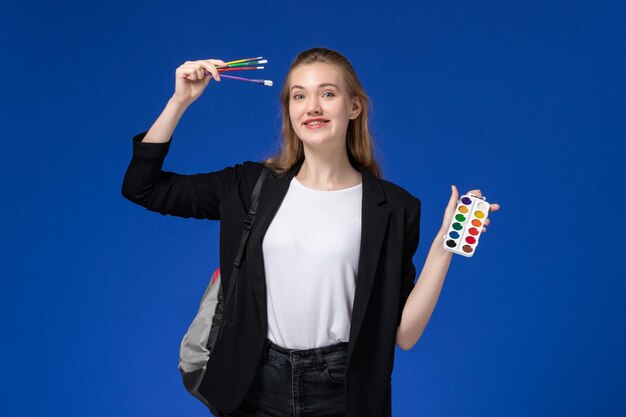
x=356, y=108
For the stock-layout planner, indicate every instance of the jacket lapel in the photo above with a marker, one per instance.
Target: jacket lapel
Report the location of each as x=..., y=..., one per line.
x=374, y=220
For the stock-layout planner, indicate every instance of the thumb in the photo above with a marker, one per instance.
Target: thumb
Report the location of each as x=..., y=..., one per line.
x=454, y=197
x=449, y=212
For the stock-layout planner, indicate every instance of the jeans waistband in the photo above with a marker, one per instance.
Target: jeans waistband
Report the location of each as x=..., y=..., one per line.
x=296, y=357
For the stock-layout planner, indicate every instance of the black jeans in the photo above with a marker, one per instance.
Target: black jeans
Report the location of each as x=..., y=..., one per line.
x=297, y=383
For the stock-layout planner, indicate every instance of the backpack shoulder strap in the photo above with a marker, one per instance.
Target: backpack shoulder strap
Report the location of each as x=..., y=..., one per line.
x=247, y=228
x=248, y=221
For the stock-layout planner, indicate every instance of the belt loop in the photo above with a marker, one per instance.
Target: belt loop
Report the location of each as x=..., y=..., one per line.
x=319, y=355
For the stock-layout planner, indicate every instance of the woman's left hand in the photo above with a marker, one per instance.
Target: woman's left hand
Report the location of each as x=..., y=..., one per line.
x=449, y=213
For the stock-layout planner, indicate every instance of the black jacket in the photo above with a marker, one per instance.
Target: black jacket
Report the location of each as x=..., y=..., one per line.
x=386, y=274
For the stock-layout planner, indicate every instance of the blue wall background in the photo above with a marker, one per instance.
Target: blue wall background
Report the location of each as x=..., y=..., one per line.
x=524, y=100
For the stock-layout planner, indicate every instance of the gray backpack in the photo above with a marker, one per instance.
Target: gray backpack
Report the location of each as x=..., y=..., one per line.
x=206, y=328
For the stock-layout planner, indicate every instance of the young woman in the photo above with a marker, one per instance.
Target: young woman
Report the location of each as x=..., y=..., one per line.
x=326, y=289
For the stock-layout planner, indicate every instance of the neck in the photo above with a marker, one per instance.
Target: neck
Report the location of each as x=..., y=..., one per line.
x=327, y=170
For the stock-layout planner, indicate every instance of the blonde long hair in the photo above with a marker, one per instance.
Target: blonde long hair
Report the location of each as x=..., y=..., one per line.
x=359, y=141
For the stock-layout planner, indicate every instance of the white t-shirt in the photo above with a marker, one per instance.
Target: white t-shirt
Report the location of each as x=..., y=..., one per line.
x=311, y=256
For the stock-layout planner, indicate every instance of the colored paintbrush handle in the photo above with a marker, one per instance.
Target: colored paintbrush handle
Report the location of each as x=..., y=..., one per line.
x=239, y=69
x=268, y=83
x=220, y=72
x=247, y=64
x=244, y=60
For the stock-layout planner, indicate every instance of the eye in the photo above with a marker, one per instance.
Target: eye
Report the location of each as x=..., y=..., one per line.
x=328, y=92
x=297, y=96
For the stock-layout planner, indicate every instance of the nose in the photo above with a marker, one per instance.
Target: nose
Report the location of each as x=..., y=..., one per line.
x=314, y=107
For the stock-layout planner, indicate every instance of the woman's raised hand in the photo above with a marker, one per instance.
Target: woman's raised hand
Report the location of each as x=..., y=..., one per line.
x=191, y=79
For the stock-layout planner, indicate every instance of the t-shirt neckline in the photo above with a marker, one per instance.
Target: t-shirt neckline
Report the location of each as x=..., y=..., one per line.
x=327, y=191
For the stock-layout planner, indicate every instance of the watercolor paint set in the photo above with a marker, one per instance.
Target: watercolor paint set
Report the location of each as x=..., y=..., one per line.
x=467, y=224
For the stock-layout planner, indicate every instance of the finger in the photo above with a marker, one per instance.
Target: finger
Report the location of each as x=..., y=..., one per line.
x=187, y=71
x=211, y=68
x=180, y=72
x=494, y=207
x=217, y=62
x=487, y=222
x=484, y=229
x=214, y=72
x=191, y=71
x=191, y=74
x=475, y=192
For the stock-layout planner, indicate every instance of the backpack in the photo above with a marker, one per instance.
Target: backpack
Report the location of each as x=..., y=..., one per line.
x=206, y=328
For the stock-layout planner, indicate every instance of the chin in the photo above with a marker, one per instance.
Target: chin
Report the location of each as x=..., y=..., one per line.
x=313, y=138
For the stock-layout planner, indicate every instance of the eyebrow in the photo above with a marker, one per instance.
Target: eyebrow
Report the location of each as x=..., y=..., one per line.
x=319, y=86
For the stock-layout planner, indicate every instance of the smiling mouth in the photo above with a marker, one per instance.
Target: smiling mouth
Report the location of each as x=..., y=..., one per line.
x=317, y=123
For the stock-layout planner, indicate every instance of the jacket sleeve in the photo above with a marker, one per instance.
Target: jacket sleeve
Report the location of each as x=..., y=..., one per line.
x=198, y=195
x=411, y=241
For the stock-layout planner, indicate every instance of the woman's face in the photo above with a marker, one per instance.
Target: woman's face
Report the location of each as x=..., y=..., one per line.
x=320, y=107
